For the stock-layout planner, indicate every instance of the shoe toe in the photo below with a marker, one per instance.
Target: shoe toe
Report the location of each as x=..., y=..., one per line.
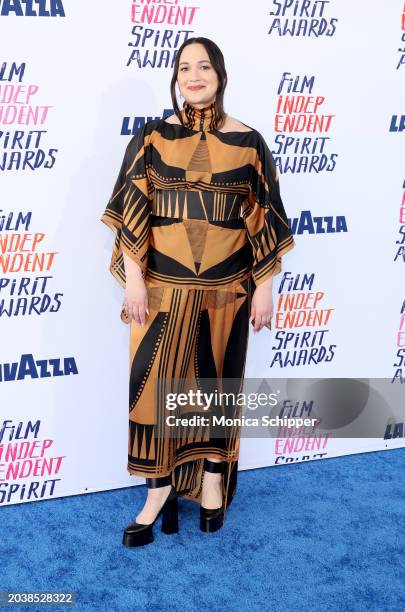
x=134, y=527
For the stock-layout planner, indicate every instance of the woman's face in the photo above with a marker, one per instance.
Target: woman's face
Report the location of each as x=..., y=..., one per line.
x=197, y=79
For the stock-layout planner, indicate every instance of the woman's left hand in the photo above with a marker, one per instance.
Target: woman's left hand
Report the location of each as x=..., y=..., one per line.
x=262, y=304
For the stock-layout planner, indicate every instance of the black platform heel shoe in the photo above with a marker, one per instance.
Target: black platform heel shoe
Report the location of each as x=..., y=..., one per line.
x=212, y=519
x=139, y=534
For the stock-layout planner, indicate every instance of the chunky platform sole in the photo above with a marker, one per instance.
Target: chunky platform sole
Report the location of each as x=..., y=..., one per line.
x=211, y=524
x=138, y=539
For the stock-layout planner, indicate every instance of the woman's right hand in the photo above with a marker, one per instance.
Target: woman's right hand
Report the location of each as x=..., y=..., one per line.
x=136, y=296
x=136, y=300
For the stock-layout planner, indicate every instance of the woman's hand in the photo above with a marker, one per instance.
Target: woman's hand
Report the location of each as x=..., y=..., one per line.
x=262, y=304
x=136, y=303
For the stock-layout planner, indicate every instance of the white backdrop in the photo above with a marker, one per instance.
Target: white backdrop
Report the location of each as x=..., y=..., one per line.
x=84, y=74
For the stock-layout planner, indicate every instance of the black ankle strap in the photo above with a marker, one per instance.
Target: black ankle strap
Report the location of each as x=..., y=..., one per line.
x=213, y=466
x=162, y=481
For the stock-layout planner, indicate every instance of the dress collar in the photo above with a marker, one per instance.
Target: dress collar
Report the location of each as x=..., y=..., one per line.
x=199, y=119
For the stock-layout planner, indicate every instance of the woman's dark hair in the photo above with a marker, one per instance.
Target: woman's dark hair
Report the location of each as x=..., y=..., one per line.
x=218, y=63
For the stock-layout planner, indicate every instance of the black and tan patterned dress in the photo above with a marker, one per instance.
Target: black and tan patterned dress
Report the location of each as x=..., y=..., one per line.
x=200, y=211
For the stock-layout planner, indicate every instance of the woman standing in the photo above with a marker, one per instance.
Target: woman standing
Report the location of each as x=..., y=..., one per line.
x=200, y=230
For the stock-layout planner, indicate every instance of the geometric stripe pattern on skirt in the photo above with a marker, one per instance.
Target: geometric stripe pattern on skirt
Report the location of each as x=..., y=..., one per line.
x=199, y=335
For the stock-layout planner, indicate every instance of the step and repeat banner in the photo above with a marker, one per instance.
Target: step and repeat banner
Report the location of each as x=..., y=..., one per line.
x=323, y=81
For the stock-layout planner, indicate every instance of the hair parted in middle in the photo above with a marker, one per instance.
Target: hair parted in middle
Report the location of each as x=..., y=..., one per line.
x=218, y=63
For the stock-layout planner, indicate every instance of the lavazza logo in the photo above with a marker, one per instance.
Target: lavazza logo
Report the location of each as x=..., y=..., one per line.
x=32, y=8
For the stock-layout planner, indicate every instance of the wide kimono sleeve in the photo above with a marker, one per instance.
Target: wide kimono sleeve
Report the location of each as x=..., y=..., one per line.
x=265, y=219
x=128, y=210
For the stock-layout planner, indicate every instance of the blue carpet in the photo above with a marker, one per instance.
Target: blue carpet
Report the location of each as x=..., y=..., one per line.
x=324, y=535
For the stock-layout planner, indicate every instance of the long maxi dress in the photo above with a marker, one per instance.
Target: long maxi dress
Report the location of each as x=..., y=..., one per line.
x=200, y=211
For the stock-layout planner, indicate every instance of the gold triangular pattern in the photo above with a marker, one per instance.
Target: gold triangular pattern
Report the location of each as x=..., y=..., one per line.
x=200, y=160
x=197, y=236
